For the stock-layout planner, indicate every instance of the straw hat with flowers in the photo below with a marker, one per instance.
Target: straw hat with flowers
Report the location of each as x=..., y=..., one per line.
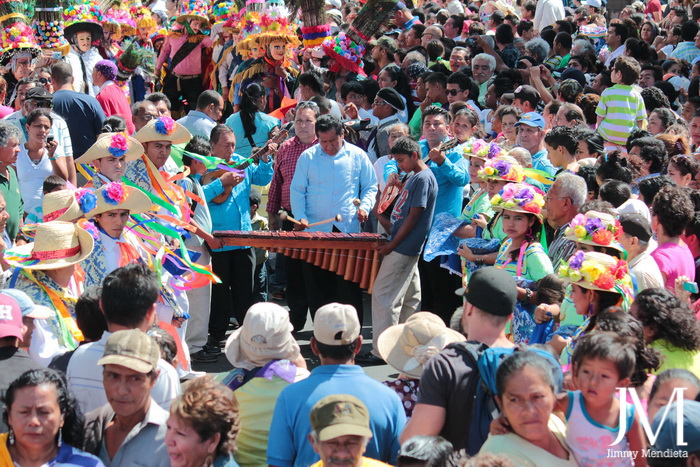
x=597, y=271
x=68, y=205
x=595, y=228
x=116, y=195
x=519, y=197
x=482, y=150
x=502, y=168
x=56, y=245
x=16, y=36
x=85, y=16
x=112, y=145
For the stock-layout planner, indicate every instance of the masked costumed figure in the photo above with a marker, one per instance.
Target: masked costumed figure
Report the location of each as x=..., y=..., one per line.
x=48, y=29
x=18, y=45
x=182, y=55
x=83, y=30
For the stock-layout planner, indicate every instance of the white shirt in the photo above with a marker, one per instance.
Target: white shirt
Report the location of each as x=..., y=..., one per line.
x=31, y=178
x=547, y=13
x=85, y=378
x=616, y=53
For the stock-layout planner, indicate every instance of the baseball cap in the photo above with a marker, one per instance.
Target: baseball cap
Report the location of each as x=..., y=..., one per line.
x=340, y=415
x=39, y=93
x=491, y=290
x=333, y=3
x=636, y=225
x=667, y=432
x=10, y=317
x=575, y=74
x=593, y=3
x=392, y=97
x=527, y=93
x=532, y=119
x=386, y=43
x=27, y=306
x=336, y=324
x=132, y=349
x=569, y=89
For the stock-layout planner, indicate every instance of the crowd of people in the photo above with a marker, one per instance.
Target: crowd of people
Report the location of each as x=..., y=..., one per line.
x=529, y=171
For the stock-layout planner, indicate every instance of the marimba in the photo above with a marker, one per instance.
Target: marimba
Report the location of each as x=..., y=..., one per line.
x=353, y=256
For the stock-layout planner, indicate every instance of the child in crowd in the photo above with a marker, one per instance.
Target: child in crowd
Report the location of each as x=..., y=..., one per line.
x=665, y=385
x=621, y=107
x=258, y=222
x=51, y=183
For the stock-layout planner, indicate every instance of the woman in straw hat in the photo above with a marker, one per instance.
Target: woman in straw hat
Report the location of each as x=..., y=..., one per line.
x=408, y=347
x=598, y=281
x=521, y=254
x=266, y=359
x=46, y=270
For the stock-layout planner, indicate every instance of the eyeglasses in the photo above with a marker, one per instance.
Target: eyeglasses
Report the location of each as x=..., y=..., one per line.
x=44, y=104
x=453, y=92
x=148, y=117
x=44, y=81
x=305, y=104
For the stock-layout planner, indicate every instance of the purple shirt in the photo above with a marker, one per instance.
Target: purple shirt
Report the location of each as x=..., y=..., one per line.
x=674, y=260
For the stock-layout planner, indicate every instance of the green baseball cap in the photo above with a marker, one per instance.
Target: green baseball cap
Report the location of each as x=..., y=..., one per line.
x=340, y=415
x=132, y=349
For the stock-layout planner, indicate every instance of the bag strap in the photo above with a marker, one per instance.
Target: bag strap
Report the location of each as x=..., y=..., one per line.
x=182, y=54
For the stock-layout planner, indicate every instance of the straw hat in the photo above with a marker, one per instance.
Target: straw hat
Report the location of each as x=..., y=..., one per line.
x=57, y=244
x=482, y=150
x=597, y=271
x=194, y=10
x=595, y=228
x=266, y=335
x=16, y=36
x=163, y=129
x=519, y=197
x=346, y=53
x=48, y=26
x=116, y=195
x=68, y=205
x=115, y=145
x=503, y=168
x=408, y=347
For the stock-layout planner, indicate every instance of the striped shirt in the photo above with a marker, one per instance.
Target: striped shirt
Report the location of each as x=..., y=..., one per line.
x=686, y=51
x=620, y=106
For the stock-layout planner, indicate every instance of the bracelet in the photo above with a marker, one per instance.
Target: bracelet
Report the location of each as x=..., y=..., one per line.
x=479, y=260
x=528, y=296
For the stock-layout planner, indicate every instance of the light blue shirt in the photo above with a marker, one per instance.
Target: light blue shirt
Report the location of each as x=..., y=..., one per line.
x=540, y=161
x=452, y=176
x=234, y=213
x=324, y=186
x=198, y=123
x=263, y=125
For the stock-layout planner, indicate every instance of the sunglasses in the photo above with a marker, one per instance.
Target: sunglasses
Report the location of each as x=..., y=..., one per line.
x=453, y=92
x=44, y=81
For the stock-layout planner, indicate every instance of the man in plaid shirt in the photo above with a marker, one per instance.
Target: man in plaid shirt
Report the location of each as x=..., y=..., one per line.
x=278, y=198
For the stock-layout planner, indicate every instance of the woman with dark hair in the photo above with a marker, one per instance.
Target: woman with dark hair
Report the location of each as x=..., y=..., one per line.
x=659, y=120
x=45, y=423
x=393, y=76
x=251, y=125
x=649, y=32
x=614, y=167
x=669, y=327
x=590, y=144
x=683, y=169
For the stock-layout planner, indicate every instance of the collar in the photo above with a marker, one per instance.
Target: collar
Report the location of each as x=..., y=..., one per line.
x=340, y=152
x=334, y=369
x=298, y=142
x=390, y=118
x=106, y=84
x=198, y=114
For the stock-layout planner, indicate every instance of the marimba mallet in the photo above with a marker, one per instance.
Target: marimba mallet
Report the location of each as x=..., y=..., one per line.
x=356, y=202
x=337, y=218
x=286, y=217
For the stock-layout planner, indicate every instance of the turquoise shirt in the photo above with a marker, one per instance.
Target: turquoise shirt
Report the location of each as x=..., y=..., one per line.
x=263, y=125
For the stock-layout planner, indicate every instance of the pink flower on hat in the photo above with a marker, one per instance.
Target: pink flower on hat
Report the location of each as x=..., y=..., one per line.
x=118, y=145
x=165, y=125
x=114, y=193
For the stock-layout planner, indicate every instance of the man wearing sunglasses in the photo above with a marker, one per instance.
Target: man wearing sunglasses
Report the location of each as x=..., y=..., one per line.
x=385, y=107
x=38, y=97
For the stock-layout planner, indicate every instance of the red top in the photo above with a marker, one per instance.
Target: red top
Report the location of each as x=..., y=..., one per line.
x=114, y=102
x=287, y=157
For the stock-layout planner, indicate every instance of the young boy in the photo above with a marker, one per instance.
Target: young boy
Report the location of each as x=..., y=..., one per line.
x=258, y=222
x=396, y=293
x=621, y=107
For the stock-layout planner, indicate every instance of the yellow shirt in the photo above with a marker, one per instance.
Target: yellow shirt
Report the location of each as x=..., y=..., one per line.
x=366, y=462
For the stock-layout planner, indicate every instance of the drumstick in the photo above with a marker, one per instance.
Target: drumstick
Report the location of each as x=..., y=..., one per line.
x=286, y=217
x=356, y=202
x=337, y=218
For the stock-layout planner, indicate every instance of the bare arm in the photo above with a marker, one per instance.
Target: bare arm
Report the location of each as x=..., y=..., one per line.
x=426, y=420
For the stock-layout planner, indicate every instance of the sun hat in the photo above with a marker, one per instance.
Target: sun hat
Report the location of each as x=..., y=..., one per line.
x=346, y=52
x=595, y=228
x=503, y=168
x=10, y=317
x=132, y=349
x=56, y=245
x=194, y=10
x=85, y=16
x=67, y=205
x=117, y=195
x=482, y=150
x=597, y=271
x=340, y=415
x=48, y=26
x=519, y=197
x=28, y=308
x=163, y=129
x=112, y=145
x=266, y=335
x=16, y=36
x=408, y=346
x=336, y=324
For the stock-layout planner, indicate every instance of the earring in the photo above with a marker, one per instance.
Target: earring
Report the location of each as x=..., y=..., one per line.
x=60, y=437
x=11, y=437
x=590, y=309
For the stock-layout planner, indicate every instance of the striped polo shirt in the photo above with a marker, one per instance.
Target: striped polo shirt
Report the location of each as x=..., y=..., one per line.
x=620, y=106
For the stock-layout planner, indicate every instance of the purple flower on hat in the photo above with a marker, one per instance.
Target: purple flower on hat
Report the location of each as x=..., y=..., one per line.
x=494, y=150
x=593, y=224
x=525, y=195
x=503, y=167
x=576, y=261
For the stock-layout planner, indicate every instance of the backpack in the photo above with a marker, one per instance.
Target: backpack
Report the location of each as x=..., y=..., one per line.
x=481, y=390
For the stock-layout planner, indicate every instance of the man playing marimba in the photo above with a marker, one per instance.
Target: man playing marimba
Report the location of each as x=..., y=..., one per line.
x=329, y=177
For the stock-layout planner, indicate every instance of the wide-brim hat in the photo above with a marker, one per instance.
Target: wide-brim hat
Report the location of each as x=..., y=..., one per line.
x=597, y=271
x=502, y=168
x=163, y=129
x=109, y=146
x=7, y=54
x=95, y=29
x=407, y=347
x=595, y=228
x=266, y=335
x=194, y=10
x=67, y=205
x=117, y=195
x=56, y=245
x=482, y=150
x=519, y=197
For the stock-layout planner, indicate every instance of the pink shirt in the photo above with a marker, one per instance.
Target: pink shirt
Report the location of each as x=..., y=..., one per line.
x=114, y=102
x=674, y=260
x=190, y=65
